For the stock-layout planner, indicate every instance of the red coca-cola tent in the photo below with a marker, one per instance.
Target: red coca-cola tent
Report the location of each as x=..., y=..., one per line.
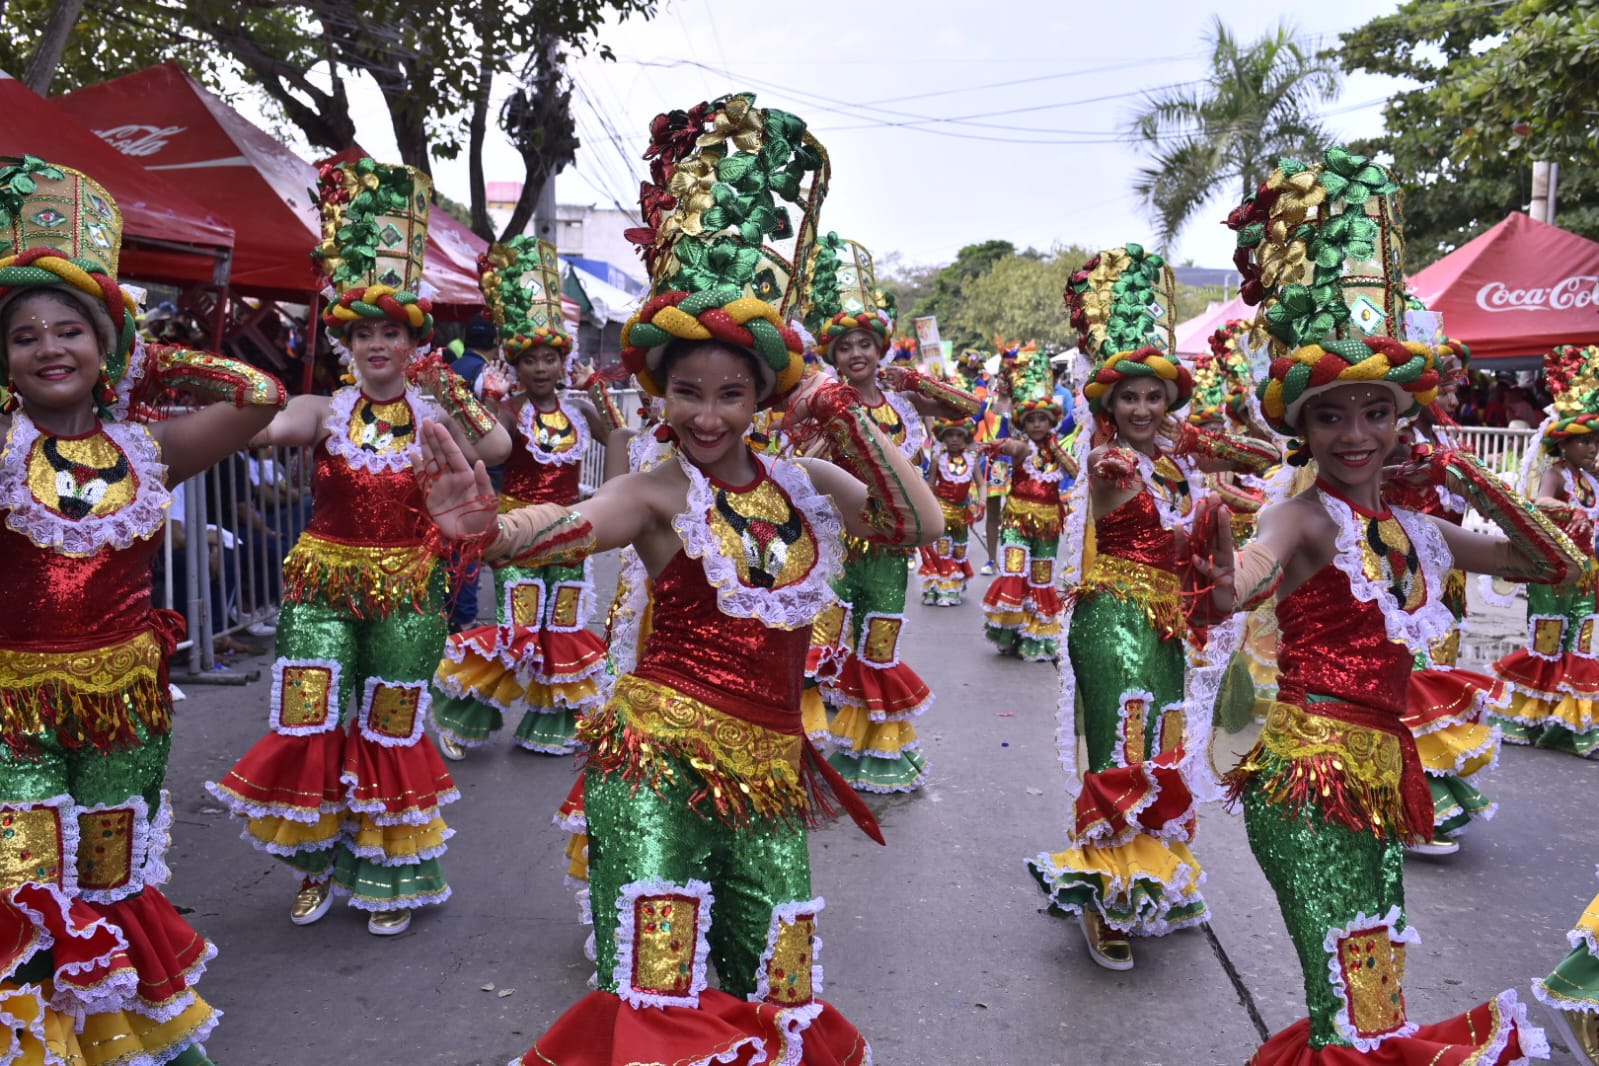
x=1517, y=290
x=174, y=126
x=166, y=236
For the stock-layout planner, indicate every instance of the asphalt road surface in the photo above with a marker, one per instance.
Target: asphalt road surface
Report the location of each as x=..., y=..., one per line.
x=937, y=947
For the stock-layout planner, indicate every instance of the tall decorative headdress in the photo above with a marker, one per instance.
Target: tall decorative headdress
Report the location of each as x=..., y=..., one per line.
x=521, y=282
x=1321, y=252
x=1120, y=303
x=1573, y=377
x=59, y=228
x=843, y=294
x=717, y=173
x=374, y=238
x=1221, y=378
x=1032, y=384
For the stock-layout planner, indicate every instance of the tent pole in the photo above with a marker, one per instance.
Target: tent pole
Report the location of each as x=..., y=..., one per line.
x=308, y=355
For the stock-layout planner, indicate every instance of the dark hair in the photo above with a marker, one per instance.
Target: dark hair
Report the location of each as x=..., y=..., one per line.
x=481, y=334
x=679, y=349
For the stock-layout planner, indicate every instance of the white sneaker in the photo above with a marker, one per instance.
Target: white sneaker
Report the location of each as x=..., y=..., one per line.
x=1435, y=846
x=262, y=629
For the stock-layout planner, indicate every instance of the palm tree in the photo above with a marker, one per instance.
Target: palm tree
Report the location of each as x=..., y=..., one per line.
x=1255, y=106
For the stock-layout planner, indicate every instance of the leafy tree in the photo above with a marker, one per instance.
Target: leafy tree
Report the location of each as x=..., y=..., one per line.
x=434, y=63
x=1020, y=297
x=1256, y=105
x=1444, y=46
x=945, y=299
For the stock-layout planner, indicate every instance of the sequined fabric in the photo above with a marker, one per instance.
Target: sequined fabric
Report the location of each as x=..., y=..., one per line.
x=374, y=507
x=1335, y=645
x=1133, y=531
x=529, y=481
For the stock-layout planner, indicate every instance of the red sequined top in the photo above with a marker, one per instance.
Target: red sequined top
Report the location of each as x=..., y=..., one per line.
x=377, y=508
x=956, y=492
x=737, y=665
x=1133, y=531
x=1332, y=644
x=530, y=481
x=1025, y=486
x=73, y=602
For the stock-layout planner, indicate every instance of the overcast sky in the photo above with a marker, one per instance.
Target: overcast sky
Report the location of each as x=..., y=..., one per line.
x=1039, y=162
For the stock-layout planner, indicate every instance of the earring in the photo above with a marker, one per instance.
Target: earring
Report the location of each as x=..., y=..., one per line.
x=10, y=404
x=665, y=434
x=104, y=391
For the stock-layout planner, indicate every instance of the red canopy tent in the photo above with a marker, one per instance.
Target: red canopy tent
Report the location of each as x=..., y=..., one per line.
x=1517, y=290
x=166, y=235
x=226, y=162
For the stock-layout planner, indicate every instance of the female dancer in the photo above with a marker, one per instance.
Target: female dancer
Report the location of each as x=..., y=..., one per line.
x=945, y=570
x=699, y=781
x=356, y=806
x=1022, y=607
x=96, y=965
x=1334, y=788
x=539, y=659
x=1555, y=679
x=1128, y=869
x=876, y=693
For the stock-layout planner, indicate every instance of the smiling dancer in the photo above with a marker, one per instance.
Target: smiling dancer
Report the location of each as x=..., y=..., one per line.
x=539, y=659
x=353, y=805
x=1334, y=787
x=1127, y=870
x=877, y=694
x=96, y=966
x=699, y=782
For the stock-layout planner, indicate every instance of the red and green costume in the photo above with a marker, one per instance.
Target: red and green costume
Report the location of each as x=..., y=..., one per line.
x=1022, y=608
x=945, y=570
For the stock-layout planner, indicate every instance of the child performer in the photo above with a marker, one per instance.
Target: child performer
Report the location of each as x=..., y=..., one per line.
x=1334, y=788
x=539, y=659
x=356, y=806
x=945, y=570
x=96, y=966
x=699, y=782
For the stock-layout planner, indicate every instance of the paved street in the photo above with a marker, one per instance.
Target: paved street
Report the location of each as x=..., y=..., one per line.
x=936, y=946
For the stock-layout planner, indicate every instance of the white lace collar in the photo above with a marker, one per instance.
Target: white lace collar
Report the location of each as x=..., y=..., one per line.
x=527, y=425
x=910, y=418
x=341, y=444
x=142, y=518
x=1170, y=516
x=791, y=606
x=954, y=477
x=1050, y=476
x=1568, y=482
x=1415, y=629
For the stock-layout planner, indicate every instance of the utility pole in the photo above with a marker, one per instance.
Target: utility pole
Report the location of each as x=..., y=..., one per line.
x=544, y=223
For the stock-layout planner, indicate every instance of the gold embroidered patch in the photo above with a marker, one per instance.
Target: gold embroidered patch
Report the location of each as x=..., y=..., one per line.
x=30, y=846
x=665, y=933
x=526, y=603
x=1446, y=649
x=1373, y=968
x=1583, y=645
x=1547, y=635
x=788, y=973
x=564, y=614
x=1171, y=729
x=81, y=477
x=1043, y=572
x=1135, y=717
x=394, y=711
x=105, y=849
x=307, y=696
x=882, y=640
x=1015, y=559
x=829, y=625
x=764, y=534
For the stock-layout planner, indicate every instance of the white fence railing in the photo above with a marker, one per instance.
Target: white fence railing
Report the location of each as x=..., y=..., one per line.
x=1501, y=450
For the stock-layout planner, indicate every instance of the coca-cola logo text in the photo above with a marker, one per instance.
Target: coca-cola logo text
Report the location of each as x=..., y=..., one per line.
x=1575, y=292
x=139, y=140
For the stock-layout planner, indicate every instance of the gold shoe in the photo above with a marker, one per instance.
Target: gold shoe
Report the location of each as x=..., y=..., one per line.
x=1106, y=947
x=388, y=923
x=451, y=748
x=311, y=902
x=1585, y=1027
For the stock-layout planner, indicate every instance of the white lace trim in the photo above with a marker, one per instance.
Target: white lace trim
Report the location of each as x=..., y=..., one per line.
x=1415, y=629
x=699, y=895
x=1364, y=924
x=141, y=518
x=1043, y=477
x=1569, y=485
x=156, y=871
x=1170, y=517
x=950, y=476
x=1069, y=571
x=275, y=714
x=138, y=848
x=787, y=914
x=1492, y=596
x=338, y=426
x=792, y=606
x=915, y=431
x=526, y=426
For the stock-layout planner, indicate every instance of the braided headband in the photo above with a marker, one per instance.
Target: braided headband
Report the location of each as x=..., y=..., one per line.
x=1406, y=368
x=1141, y=363
x=44, y=268
x=375, y=302
x=720, y=314
x=942, y=426
x=543, y=337
x=876, y=322
x=1577, y=427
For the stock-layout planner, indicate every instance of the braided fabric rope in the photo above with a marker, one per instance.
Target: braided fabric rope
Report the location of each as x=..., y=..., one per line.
x=876, y=321
x=376, y=302
x=43, y=267
x=1409, y=368
x=721, y=314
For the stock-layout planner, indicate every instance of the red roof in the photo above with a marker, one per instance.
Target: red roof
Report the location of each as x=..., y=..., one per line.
x=1520, y=289
x=177, y=128
x=153, y=210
